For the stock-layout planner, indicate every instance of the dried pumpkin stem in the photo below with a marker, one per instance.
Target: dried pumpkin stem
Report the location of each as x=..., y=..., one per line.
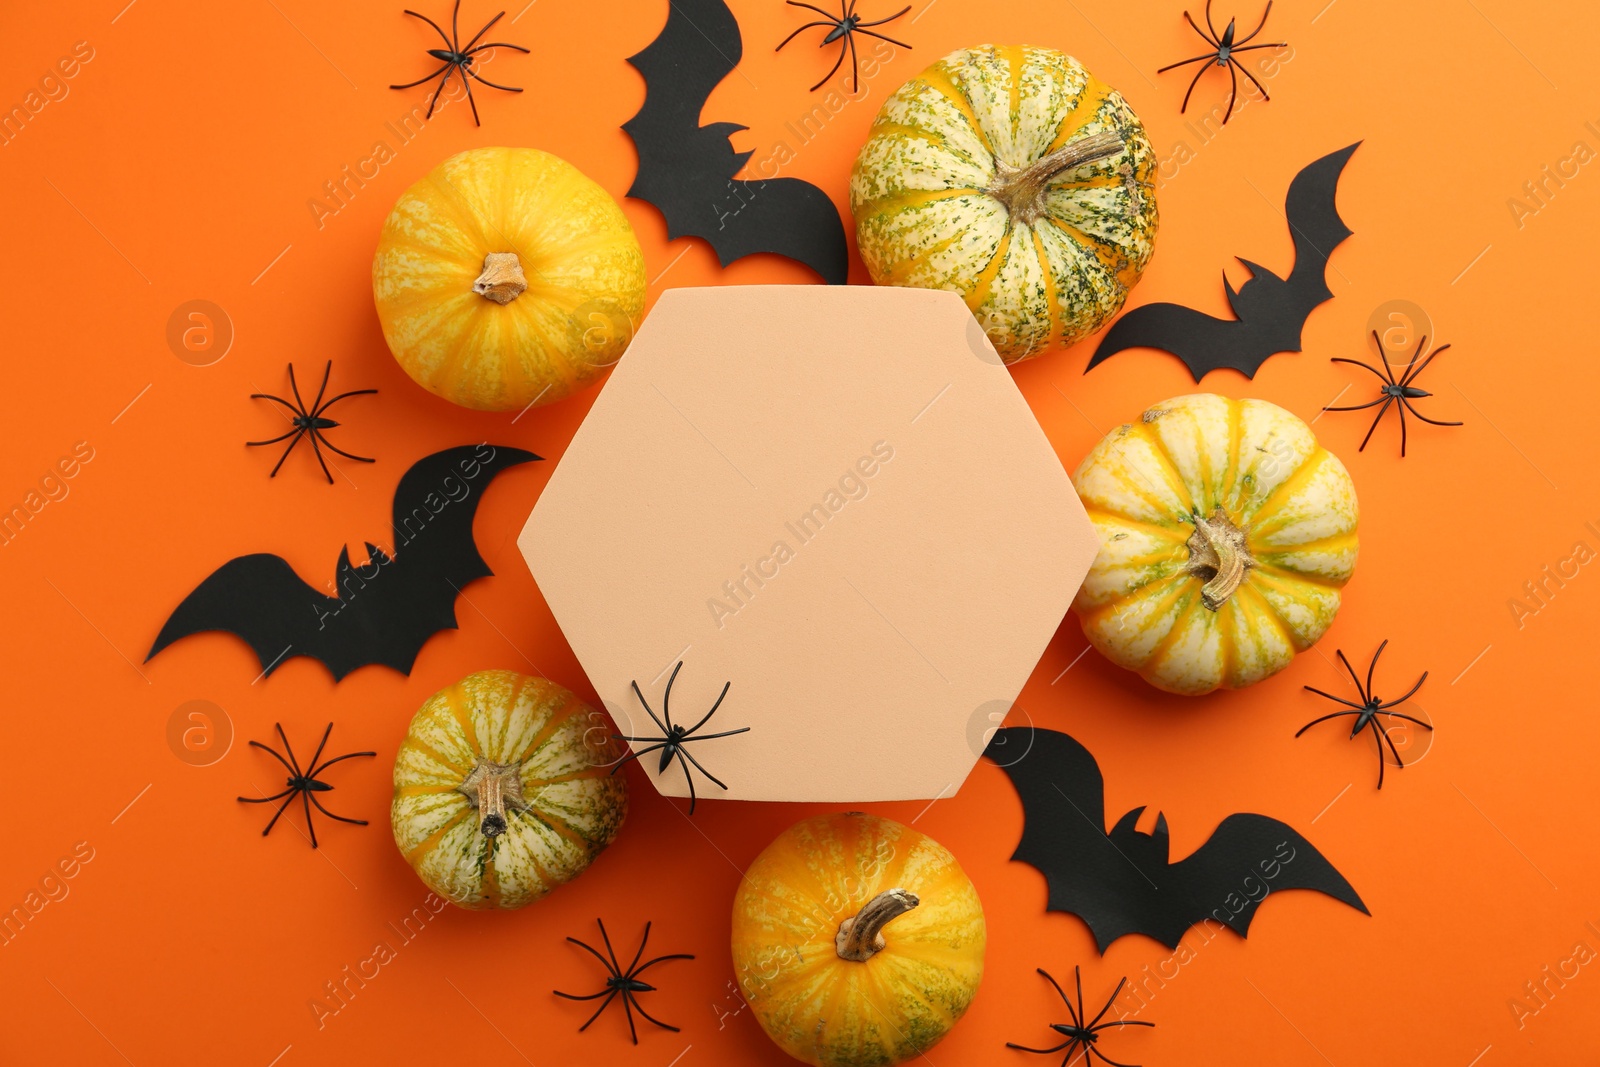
x=492, y=788
x=502, y=279
x=1021, y=189
x=1218, y=553
x=861, y=937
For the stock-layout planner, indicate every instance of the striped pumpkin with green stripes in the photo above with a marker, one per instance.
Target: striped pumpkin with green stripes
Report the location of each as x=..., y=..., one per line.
x=503, y=790
x=1014, y=177
x=1226, y=533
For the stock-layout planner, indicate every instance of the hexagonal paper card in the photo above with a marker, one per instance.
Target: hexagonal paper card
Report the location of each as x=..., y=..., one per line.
x=832, y=499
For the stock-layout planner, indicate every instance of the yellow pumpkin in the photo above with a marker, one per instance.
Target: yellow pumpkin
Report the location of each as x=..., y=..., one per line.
x=1226, y=532
x=856, y=941
x=506, y=279
x=1013, y=177
x=503, y=790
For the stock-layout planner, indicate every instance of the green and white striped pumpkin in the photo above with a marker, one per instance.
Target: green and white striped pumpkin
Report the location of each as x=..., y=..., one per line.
x=503, y=790
x=1012, y=176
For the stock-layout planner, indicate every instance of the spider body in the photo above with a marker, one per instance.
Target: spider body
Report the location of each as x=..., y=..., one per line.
x=304, y=783
x=623, y=983
x=842, y=28
x=1222, y=54
x=1082, y=1033
x=458, y=59
x=309, y=422
x=1395, y=390
x=676, y=737
x=1366, y=713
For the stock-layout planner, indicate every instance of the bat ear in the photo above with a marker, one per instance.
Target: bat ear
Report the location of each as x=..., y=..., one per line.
x=1161, y=826
x=1129, y=823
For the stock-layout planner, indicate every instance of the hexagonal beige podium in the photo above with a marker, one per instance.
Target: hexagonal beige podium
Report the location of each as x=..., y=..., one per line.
x=831, y=498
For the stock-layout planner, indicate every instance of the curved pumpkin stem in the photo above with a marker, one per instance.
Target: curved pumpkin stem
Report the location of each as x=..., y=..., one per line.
x=502, y=279
x=1218, y=552
x=861, y=937
x=492, y=788
x=1021, y=189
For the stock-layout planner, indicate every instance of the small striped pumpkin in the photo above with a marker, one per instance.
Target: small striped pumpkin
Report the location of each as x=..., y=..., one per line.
x=506, y=279
x=857, y=941
x=502, y=790
x=1014, y=177
x=1226, y=532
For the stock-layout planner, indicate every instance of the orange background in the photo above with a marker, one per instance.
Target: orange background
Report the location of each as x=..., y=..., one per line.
x=180, y=165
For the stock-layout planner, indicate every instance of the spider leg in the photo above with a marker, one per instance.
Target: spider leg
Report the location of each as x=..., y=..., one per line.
x=1233, y=93
x=277, y=757
x=638, y=754
x=419, y=81
x=832, y=20
x=666, y=728
x=282, y=808
x=472, y=100
x=279, y=399
x=1375, y=740
x=616, y=968
x=651, y=963
x=689, y=778
x=1402, y=410
x=1045, y=1051
x=1215, y=36
x=713, y=710
x=855, y=61
x=708, y=737
x=295, y=388
x=1264, y=94
x=490, y=84
x=298, y=434
x=1366, y=366
x=1424, y=418
x=1252, y=48
x=587, y=996
x=480, y=33
x=1409, y=694
x=798, y=32
x=627, y=1006
x=880, y=36
x=637, y=956
x=1185, y=105
x=683, y=753
x=880, y=22
x=455, y=27
x=1108, y=1059
x=314, y=435
x=275, y=440
x=331, y=815
x=341, y=396
x=1358, y=407
x=603, y=1006
x=1385, y=735
x=1077, y=977
x=1209, y=38
x=652, y=1018
x=267, y=800
x=836, y=64
x=1372, y=668
x=1410, y=718
x=349, y=755
x=294, y=764
x=305, y=799
x=311, y=768
x=1048, y=977
x=432, y=23
x=439, y=91
x=347, y=455
x=1186, y=62
x=1330, y=696
x=1259, y=27
x=609, y=966
x=1374, y=425
x=498, y=44
x=1116, y=993
x=1324, y=718
x=1411, y=374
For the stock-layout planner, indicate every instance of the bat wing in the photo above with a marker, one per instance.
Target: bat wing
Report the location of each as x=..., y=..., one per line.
x=386, y=610
x=1316, y=226
x=1246, y=860
x=687, y=170
x=260, y=599
x=1201, y=341
x=1063, y=829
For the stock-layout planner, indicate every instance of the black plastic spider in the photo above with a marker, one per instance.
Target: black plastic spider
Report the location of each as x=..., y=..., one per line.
x=1393, y=390
x=676, y=736
x=456, y=58
x=310, y=422
x=843, y=29
x=1369, y=709
x=303, y=785
x=1082, y=1033
x=626, y=983
x=1223, y=57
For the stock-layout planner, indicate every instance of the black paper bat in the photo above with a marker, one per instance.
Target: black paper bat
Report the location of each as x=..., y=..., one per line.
x=1270, y=311
x=687, y=170
x=385, y=611
x=1123, y=882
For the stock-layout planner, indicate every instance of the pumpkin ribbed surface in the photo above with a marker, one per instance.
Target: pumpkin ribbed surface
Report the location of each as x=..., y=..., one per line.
x=835, y=1012
x=562, y=808
x=924, y=192
x=1156, y=489
x=577, y=253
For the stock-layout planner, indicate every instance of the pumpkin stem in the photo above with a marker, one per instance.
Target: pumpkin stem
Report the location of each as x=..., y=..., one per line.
x=861, y=937
x=1021, y=189
x=1219, y=554
x=492, y=787
x=502, y=279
